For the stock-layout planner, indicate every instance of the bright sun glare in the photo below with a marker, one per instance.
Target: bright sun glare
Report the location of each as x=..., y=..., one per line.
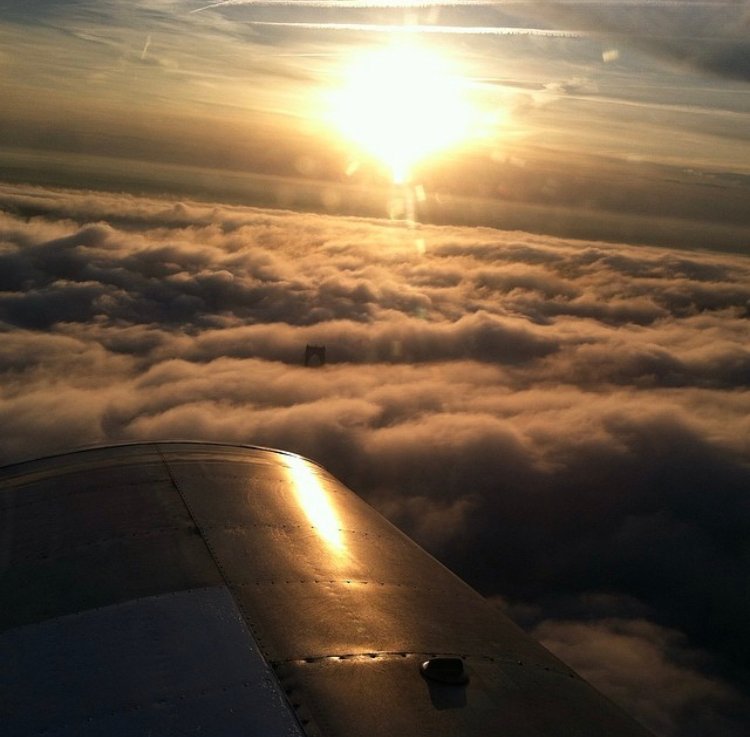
x=401, y=104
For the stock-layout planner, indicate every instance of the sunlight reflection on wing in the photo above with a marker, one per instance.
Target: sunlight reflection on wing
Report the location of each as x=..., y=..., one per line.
x=314, y=500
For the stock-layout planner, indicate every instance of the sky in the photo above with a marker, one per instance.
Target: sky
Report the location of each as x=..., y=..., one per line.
x=534, y=302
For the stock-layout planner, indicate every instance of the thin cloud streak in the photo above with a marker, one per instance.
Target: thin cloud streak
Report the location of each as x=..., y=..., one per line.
x=422, y=29
x=406, y=5
x=348, y=4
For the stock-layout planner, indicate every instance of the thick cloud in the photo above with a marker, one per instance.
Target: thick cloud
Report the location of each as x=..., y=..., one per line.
x=564, y=423
x=631, y=659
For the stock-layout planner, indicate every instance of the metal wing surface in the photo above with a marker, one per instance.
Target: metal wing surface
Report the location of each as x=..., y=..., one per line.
x=191, y=588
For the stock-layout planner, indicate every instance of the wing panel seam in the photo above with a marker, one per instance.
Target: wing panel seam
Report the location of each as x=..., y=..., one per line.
x=304, y=724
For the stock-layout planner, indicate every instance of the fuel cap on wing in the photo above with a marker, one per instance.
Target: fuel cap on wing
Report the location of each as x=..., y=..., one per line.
x=445, y=670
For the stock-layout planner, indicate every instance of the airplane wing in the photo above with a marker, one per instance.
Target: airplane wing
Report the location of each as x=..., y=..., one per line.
x=203, y=589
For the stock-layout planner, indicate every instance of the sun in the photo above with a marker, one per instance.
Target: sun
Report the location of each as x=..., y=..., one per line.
x=400, y=104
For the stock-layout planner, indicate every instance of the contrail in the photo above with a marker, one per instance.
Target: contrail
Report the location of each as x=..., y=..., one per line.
x=408, y=4
x=395, y=28
x=347, y=4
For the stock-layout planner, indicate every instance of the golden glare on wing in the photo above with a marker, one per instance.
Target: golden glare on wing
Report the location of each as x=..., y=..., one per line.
x=400, y=104
x=314, y=500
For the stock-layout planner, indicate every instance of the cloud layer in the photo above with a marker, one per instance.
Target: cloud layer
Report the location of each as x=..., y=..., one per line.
x=564, y=423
